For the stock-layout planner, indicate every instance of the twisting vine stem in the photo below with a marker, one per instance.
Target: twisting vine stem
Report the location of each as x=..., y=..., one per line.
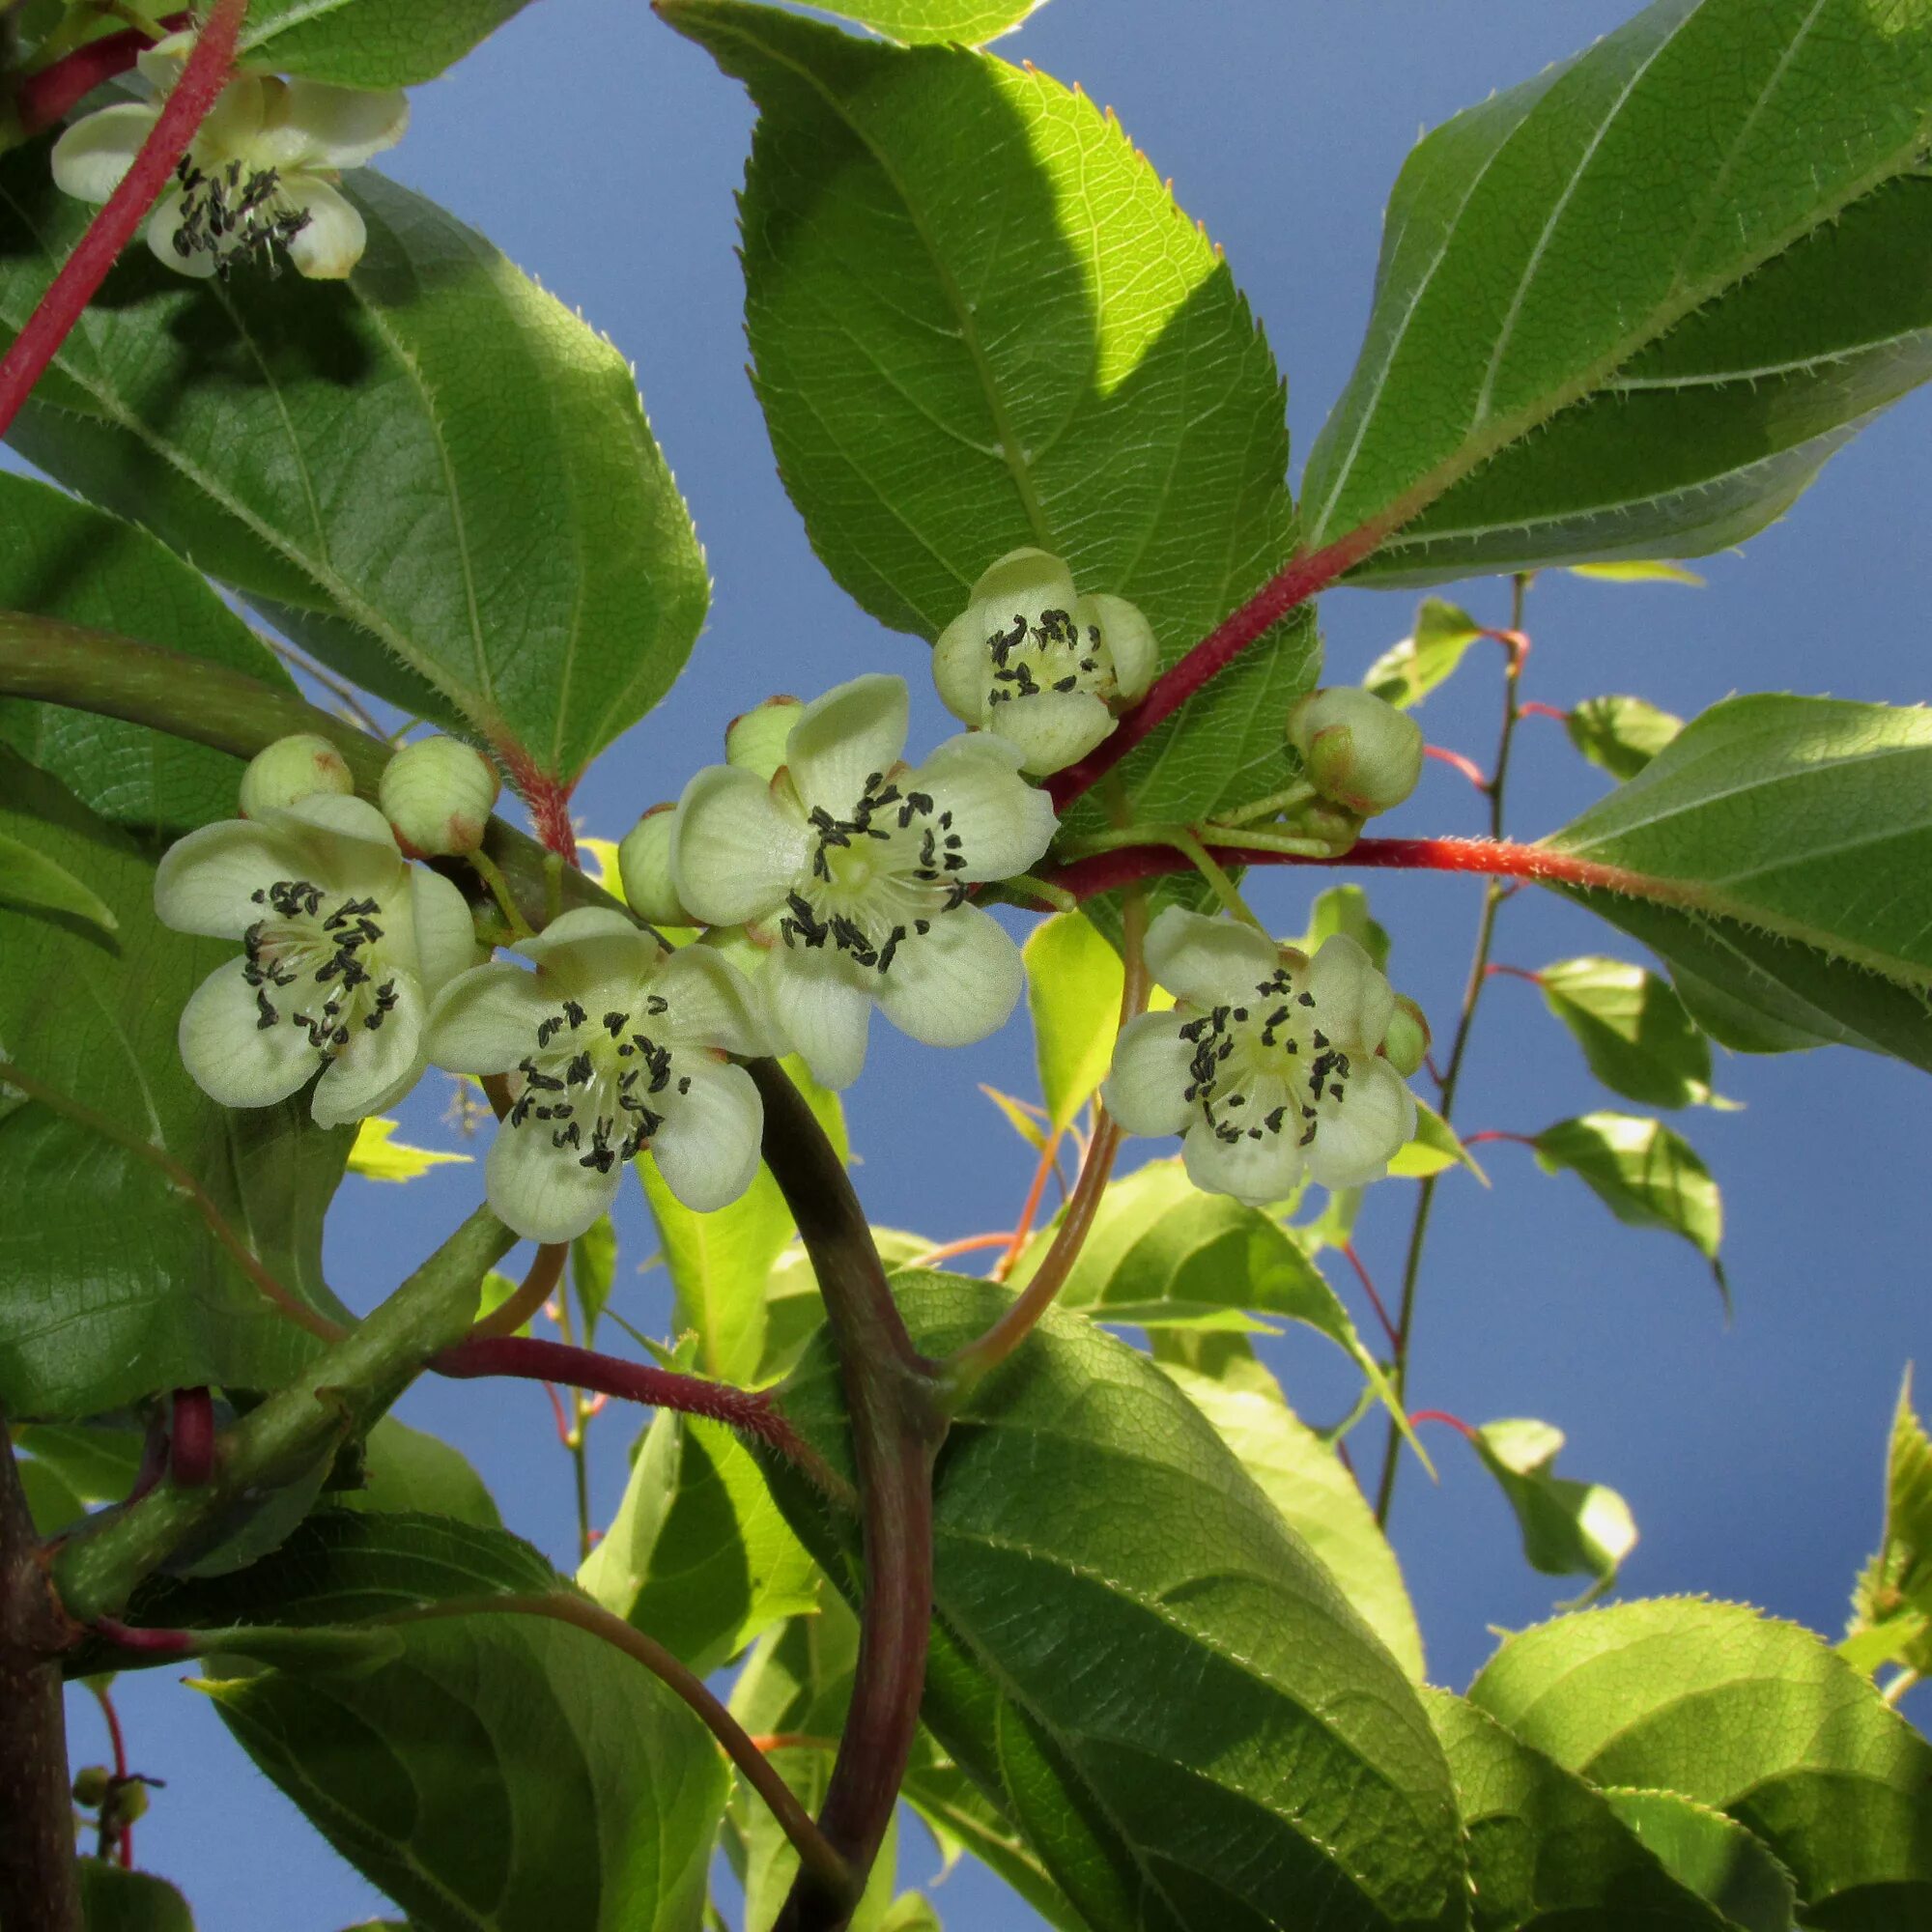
x=1516, y=647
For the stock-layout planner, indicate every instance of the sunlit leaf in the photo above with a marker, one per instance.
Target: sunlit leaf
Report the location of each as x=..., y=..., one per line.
x=1713, y=1856
x=968, y=22
x=1408, y=671
x=377, y=1155
x=369, y=43
x=1435, y=1148
x=1569, y=1528
x=1634, y=1030
x=1891, y=1607
x=1621, y=734
x=1344, y=909
x=1638, y=572
x=1074, y=992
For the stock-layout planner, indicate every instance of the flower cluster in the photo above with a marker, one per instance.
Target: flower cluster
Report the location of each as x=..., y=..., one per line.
x=259, y=175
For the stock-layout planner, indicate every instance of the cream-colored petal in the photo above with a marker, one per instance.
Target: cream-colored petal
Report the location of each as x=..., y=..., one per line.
x=854, y=732
x=707, y=1149
x=205, y=882
x=710, y=1001
x=378, y=1065
x=231, y=127
x=1004, y=824
x=1130, y=643
x=1254, y=1172
x=310, y=123
x=485, y=1020
x=328, y=245
x=1147, y=1090
x=1353, y=1002
x=229, y=1055
x=595, y=954
x=1357, y=1136
x=92, y=159
x=962, y=669
x=737, y=851
x=819, y=1010
x=1023, y=583
x=1051, y=729
x=954, y=985
x=445, y=934
x=542, y=1192
x=164, y=225
x=349, y=838
x=1209, y=962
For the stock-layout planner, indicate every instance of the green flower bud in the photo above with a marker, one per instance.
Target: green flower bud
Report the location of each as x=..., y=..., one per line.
x=643, y=863
x=1406, y=1044
x=126, y=1801
x=90, y=1784
x=291, y=769
x=438, y=795
x=756, y=739
x=1357, y=748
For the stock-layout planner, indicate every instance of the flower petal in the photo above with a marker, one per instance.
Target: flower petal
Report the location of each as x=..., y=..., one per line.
x=593, y=954
x=378, y=1065
x=842, y=739
x=1352, y=1000
x=707, y=1149
x=1004, y=823
x=164, y=225
x=445, y=936
x=1357, y=1136
x=1147, y=1090
x=229, y=1055
x=1130, y=643
x=1052, y=728
x=1208, y=963
x=486, y=1019
x=710, y=1001
x=543, y=1192
x=91, y=160
x=1254, y=1172
x=819, y=1010
x=736, y=850
x=310, y=123
x=961, y=669
x=1022, y=584
x=329, y=244
x=346, y=838
x=956, y=983
x=203, y=881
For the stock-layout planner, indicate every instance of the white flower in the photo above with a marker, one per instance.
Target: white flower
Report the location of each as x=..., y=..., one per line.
x=344, y=944
x=621, y=1046
x=257, y=175
x=1040, y=665
x=1267, y=1064
x=858, y=870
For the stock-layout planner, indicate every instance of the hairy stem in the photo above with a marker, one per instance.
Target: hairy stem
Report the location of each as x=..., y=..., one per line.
x=202, y=80
x=343, y=1389
x=62, y=85
x=896, y=1429
x=1472, y=994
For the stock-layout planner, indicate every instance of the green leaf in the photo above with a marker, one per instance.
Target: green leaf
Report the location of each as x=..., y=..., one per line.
x=147, y=782
x=113, y=1900
x=1891, y=1607
x=1569, y=1528
x=968, y=22
x=1781, y=851
x=1646, y=1174
x=979, y=321
x=1408, y=670
x=112, y=1283
x=1295, y=1763
x=52, y=1501
x=1713, y=1856
x=1754, y=1718
x=1621, y=734
x=1548, y=1851
x=1162, y=1250
x=1651, y=571
x=1023, y=1120
x=544, y=585
x=97, y=1460
x=698, y=1554
x=1073, y=993
x=1632, y=1028
x=593, y=1268
x=368, y=42
x=29, y=878
x=1318, y=1498
x=1435, y=1148
x=376, y=1156
x=1632, y=304
x=409, y=1472
x=1344, y=909
x=505, y=1771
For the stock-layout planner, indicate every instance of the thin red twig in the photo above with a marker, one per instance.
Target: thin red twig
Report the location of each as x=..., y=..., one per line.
x=1457, y=762
x=1535, y=709
x=1017, y=1240
x=1494, y=971
x=110, y=231
x=1447, y=1420
x=1368, y=1288
x=123, y=1843
x=966, y=1245
x=1497, y=1134
x=48, y=96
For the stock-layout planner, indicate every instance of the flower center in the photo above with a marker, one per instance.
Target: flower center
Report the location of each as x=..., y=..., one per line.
x=232, y=212
x=1050, y=655
x=593, y=1080
x=1261, y=1068
x=877, y=878
x=318, y=970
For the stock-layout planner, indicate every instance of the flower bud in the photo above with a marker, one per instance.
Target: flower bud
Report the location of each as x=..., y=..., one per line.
x=1406, y=1044
x=1358, y=750
x=756, y=739
x=437, y=795
x=643, y=863
x=125, y=1802
x=90, y=1784
x=291, y=769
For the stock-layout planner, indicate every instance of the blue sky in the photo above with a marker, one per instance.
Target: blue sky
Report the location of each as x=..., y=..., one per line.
x=601, y=153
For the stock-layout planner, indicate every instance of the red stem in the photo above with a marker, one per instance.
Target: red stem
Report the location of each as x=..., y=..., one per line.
x=151, y=1642
x=47, y=97
x=124, y=1837
x=191, y=1440
x=1494, y=971
x=548, y=798
x=1497, y=1134
x=1299, y=580
x=154, y=1463
x=1447, y=1420
x=1534, y=709
x=202, y=80
x=1368, y=1288
x=1456, y=762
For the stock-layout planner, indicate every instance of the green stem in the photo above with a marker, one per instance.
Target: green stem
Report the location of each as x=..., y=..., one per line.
x=207, y=703
x=96, y=1569
x=1452, y=1074
x=1272, y=806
